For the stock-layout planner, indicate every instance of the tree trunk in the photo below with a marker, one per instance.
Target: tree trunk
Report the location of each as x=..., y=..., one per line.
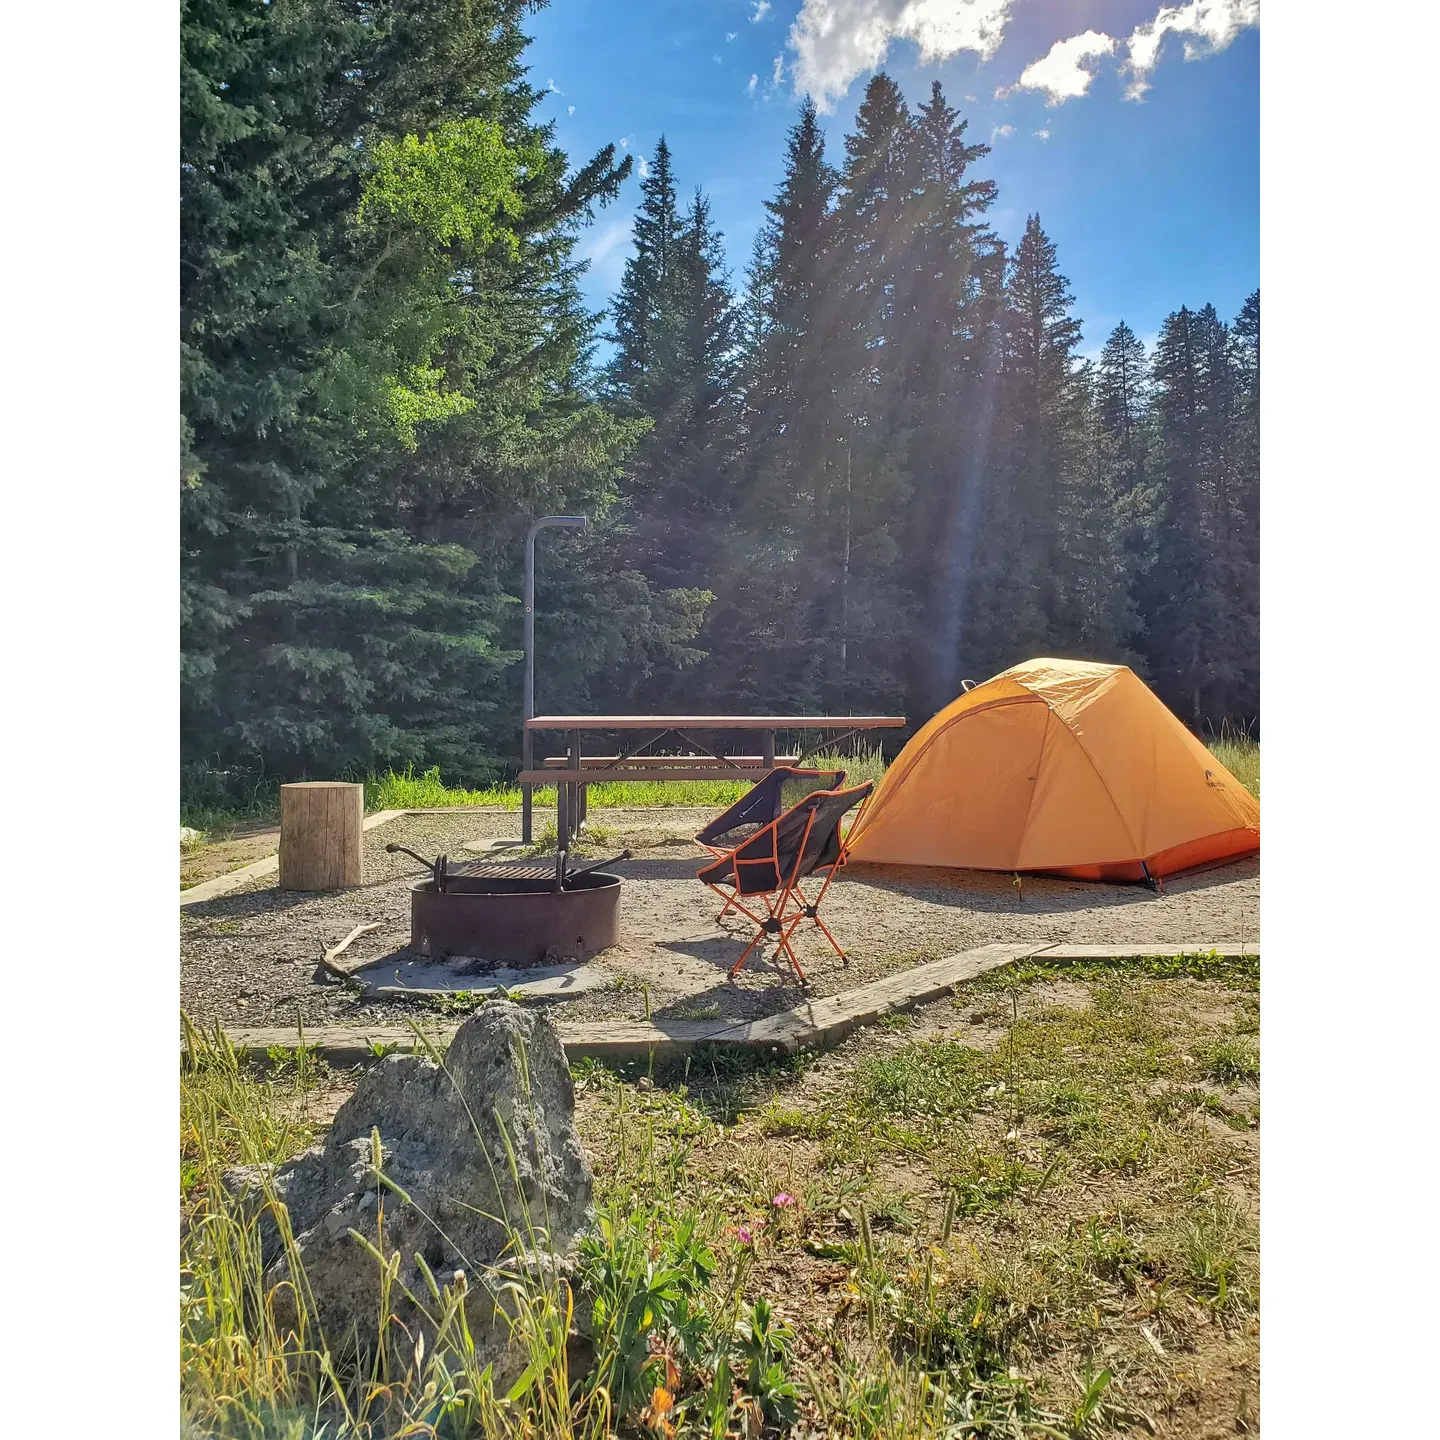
x=845, y=585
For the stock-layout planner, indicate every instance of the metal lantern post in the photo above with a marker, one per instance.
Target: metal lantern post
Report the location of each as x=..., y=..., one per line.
x=527, y=743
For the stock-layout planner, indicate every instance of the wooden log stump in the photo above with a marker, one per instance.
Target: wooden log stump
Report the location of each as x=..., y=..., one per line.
x=321, y=824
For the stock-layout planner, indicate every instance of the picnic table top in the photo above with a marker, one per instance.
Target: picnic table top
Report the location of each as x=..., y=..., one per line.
x=715, y=722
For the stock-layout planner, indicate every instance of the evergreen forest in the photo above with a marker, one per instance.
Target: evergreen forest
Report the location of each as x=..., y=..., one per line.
x=867, y=468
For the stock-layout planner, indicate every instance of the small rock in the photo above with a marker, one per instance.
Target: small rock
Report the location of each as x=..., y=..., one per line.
x=644, y=1083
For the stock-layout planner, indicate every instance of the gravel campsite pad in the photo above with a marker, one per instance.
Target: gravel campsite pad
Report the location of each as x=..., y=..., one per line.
x=248, y=958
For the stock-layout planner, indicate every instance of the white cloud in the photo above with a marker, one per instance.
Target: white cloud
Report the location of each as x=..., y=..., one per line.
x=1209, y=25
x=750, y=88
x=836, y=40
x=625, y=141
x=553, y=86
x=1060, y=74
x=570, y=108
x=777, y=72
x=644, y=167
x=1000, y=132
x=1042, y=134
x=760, y=11
x=716, y=59
x=604, y=247
x=730, y=35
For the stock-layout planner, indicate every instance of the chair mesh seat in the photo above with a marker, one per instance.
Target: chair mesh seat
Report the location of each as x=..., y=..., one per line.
x=772, y=849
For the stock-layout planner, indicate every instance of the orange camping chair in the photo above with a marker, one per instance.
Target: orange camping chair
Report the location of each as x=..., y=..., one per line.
x=772, y=862
x=765, y=802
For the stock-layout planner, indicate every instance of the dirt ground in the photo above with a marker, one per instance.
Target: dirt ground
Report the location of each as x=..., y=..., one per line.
x=241, y=845
x=248, y=958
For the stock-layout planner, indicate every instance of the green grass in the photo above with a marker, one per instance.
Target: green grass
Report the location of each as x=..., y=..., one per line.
x=214, y=820
x=1024, y=1237
x=405, y=790
x=1019, y=1224
x=1240, y=755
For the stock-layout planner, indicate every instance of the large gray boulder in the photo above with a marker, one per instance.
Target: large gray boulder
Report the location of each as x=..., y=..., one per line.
x=485, y=1152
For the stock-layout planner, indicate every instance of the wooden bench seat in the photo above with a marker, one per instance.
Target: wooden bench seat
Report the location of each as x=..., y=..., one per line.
x=662, y=762
x=593, y=777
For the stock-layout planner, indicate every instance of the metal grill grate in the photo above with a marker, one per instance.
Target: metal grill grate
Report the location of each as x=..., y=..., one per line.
x=503, y=869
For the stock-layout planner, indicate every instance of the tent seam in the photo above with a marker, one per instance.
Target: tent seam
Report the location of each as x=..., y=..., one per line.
x=1029, y=698
x=1120, y=814
x=1035, y=784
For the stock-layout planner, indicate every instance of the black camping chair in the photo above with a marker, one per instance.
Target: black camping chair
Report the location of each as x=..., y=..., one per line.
x=763, y=803
x=770, y=864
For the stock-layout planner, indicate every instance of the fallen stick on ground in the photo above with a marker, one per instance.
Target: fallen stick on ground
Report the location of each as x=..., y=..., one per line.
x=327, y=964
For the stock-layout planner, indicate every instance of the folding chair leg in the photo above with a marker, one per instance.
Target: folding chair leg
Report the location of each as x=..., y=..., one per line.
x=825, y=931
x=762, y=926
x=745, y=953
x=813, y=911
x=789, y=924
x=785, y=946
x=773, y=924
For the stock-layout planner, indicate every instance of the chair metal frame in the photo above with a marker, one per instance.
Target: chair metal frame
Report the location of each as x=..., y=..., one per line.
x=792, y=772
x=780, y=920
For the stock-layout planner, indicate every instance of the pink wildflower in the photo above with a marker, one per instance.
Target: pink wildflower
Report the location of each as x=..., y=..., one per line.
x=743, y=1235
x=783, y=1201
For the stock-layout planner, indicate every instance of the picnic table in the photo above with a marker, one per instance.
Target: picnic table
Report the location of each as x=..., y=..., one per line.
x=573, y=772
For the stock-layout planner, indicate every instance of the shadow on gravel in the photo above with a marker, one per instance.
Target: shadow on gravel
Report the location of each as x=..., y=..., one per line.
x=989, y=892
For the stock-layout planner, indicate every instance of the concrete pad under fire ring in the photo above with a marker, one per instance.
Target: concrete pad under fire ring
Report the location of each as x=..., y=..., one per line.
x=426, y=978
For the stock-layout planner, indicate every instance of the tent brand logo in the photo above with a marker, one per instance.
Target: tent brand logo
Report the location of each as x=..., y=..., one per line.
x=1212, y=782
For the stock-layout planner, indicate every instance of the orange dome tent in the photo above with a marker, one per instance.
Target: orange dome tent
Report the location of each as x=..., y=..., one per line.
x=1063, y=766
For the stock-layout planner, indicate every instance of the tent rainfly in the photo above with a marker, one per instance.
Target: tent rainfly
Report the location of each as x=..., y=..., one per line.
x=1060, y=766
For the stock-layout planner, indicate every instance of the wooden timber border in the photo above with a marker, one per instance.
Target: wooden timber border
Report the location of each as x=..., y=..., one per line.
x=225, y=884
x=814, y=1024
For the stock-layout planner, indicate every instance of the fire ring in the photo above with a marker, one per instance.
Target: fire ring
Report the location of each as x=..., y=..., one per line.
x=516, y=914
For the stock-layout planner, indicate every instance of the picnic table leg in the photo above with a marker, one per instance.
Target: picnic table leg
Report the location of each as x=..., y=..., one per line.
x=767, y=751
x=582, y=808
x=576, y=807
x=527, y=792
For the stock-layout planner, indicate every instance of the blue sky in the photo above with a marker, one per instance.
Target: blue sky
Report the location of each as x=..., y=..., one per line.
x=1132, y=127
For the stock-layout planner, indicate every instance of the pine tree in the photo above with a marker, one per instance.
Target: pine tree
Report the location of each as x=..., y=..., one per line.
x=676, y=479
x=1097, y=517
x=1245, y=360
x=1125, y=447
x=863, y=598
x=646, y=308
x=763, y=620
x=946, y=360
x=786, y=370
x=1042, y=407
x=1123, y=404
x=1066, y=588
x=677, y=336
x=1186, y=628
x=1218, y=491
x=383, y=374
